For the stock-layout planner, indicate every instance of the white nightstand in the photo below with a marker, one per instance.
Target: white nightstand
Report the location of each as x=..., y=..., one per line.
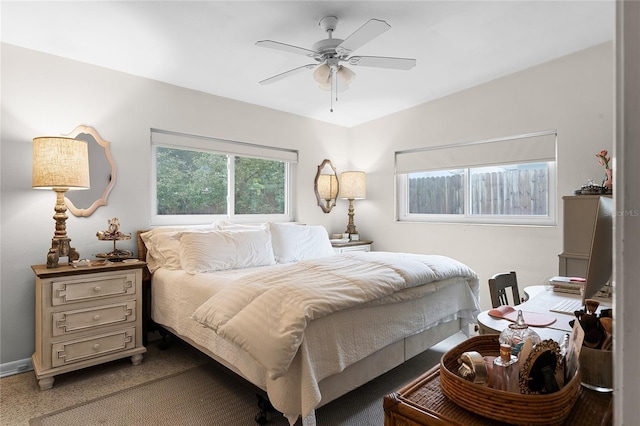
x=363, y=245
x=86, y=316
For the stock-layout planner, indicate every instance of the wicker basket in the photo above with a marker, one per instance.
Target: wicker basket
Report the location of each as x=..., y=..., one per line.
x=508, y=407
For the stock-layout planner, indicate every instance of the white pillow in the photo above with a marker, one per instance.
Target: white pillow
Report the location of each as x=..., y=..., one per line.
x=230, y=226
x=221, y=250
x=166, y=250
x=163, y=248
x=293, y=243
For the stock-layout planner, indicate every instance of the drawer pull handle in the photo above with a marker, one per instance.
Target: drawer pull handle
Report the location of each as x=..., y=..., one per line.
x=96, y=346
x=96, y=317
x=97, y=288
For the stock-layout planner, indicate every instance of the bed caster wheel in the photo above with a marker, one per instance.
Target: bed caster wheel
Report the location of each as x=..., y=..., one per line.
x=265, y=406
x=261, y=418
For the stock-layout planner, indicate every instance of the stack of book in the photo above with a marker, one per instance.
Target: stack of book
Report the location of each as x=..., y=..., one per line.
x=572, y=285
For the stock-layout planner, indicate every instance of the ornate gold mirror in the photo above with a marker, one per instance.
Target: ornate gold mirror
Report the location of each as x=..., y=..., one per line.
x=326, y=186
x=102, y=172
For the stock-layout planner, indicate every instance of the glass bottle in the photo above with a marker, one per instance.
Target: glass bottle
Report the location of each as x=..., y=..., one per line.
x=516, y=334
x=506, y=370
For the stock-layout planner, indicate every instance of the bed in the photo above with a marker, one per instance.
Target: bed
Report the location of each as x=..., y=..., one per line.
x=277, y=306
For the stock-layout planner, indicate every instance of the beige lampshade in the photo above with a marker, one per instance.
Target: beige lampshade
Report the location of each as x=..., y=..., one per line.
x=353, y=185
x=328, y=186
x=60, y=162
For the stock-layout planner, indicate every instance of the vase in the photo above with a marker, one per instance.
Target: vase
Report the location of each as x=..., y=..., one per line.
x=609, y=182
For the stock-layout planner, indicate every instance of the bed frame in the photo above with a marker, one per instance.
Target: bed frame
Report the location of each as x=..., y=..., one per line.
x=331, y=387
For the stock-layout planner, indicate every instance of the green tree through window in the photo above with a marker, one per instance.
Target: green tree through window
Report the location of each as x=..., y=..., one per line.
x=196, y=183
x=199, y=179
x=191, y=182
x=259, y=186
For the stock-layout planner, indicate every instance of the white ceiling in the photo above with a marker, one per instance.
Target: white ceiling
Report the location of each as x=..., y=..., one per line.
x=209, y=45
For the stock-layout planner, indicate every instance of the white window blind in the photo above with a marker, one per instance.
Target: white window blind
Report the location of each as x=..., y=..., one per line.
x=530, y=148
x=175, y=139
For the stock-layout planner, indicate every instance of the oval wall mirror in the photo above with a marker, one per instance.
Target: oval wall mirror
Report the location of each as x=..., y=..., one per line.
x=326, y=186
x=102, y=172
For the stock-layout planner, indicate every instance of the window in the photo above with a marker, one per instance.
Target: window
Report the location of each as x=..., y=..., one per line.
x=197, y=179
x=509, y=180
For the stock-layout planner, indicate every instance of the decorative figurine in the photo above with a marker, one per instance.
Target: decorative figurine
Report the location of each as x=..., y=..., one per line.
x=114, y=234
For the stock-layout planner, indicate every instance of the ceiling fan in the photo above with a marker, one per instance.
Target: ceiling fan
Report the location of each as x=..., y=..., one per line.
x=330, y=52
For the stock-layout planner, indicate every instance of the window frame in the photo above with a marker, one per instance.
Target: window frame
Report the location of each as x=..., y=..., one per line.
x=175, y=140
x=402, y=214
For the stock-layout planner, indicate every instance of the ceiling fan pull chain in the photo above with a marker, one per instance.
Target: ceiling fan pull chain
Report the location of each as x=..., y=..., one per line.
x=332, y=78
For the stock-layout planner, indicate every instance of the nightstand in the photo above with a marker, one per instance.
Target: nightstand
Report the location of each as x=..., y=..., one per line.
x=86, y=316
x=363, y=245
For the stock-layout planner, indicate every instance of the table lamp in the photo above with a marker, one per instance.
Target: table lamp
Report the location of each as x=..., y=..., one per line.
x=353, y=186
x=60, y=164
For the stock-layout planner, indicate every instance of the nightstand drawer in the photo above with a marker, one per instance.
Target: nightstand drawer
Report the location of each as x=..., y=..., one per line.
x=353, y=248
x=82, y=319
x=82, y=349
x=92, y=287
x=363, y=245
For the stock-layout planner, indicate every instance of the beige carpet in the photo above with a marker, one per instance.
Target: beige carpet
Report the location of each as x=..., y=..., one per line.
x=205, y=395
x=212, y=395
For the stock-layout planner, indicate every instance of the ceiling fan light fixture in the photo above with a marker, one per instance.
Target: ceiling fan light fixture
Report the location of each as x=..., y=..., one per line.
x=327, y=86
x=345, y=75
x=330, y=52
x=322, y=74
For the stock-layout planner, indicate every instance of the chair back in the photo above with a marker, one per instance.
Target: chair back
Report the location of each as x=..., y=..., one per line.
x=498, y=285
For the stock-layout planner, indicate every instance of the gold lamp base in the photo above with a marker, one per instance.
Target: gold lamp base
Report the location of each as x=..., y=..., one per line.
x=351, y=226
x=60, y=243
x=61, y=247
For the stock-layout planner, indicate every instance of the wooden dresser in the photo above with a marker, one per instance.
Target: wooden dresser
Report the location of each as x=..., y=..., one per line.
x=86, y=316
x=579, y=219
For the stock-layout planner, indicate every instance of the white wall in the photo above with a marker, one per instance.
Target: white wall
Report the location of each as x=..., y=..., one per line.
x=43, y=94
x=47, y=95
x=573, y=94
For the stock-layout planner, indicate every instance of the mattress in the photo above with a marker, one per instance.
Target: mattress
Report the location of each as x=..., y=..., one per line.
x=330, y=345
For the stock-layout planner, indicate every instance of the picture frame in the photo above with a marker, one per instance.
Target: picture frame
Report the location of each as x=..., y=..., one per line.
x=542, y=370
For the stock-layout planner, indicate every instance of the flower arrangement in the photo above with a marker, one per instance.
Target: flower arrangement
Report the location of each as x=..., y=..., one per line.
x=603, y=159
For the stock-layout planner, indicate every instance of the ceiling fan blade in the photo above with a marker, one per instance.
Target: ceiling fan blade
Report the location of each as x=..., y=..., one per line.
x=370, y=30
x=383, y=62
x=287, y=48
x=288, y=74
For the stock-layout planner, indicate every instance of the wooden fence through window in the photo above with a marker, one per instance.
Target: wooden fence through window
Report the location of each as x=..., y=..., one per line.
x=508, y=192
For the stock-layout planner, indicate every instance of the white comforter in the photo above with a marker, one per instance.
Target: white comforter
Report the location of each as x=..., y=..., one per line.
x=266, y=313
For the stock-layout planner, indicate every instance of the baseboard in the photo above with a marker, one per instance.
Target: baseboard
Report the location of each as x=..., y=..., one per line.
x=15, y=367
